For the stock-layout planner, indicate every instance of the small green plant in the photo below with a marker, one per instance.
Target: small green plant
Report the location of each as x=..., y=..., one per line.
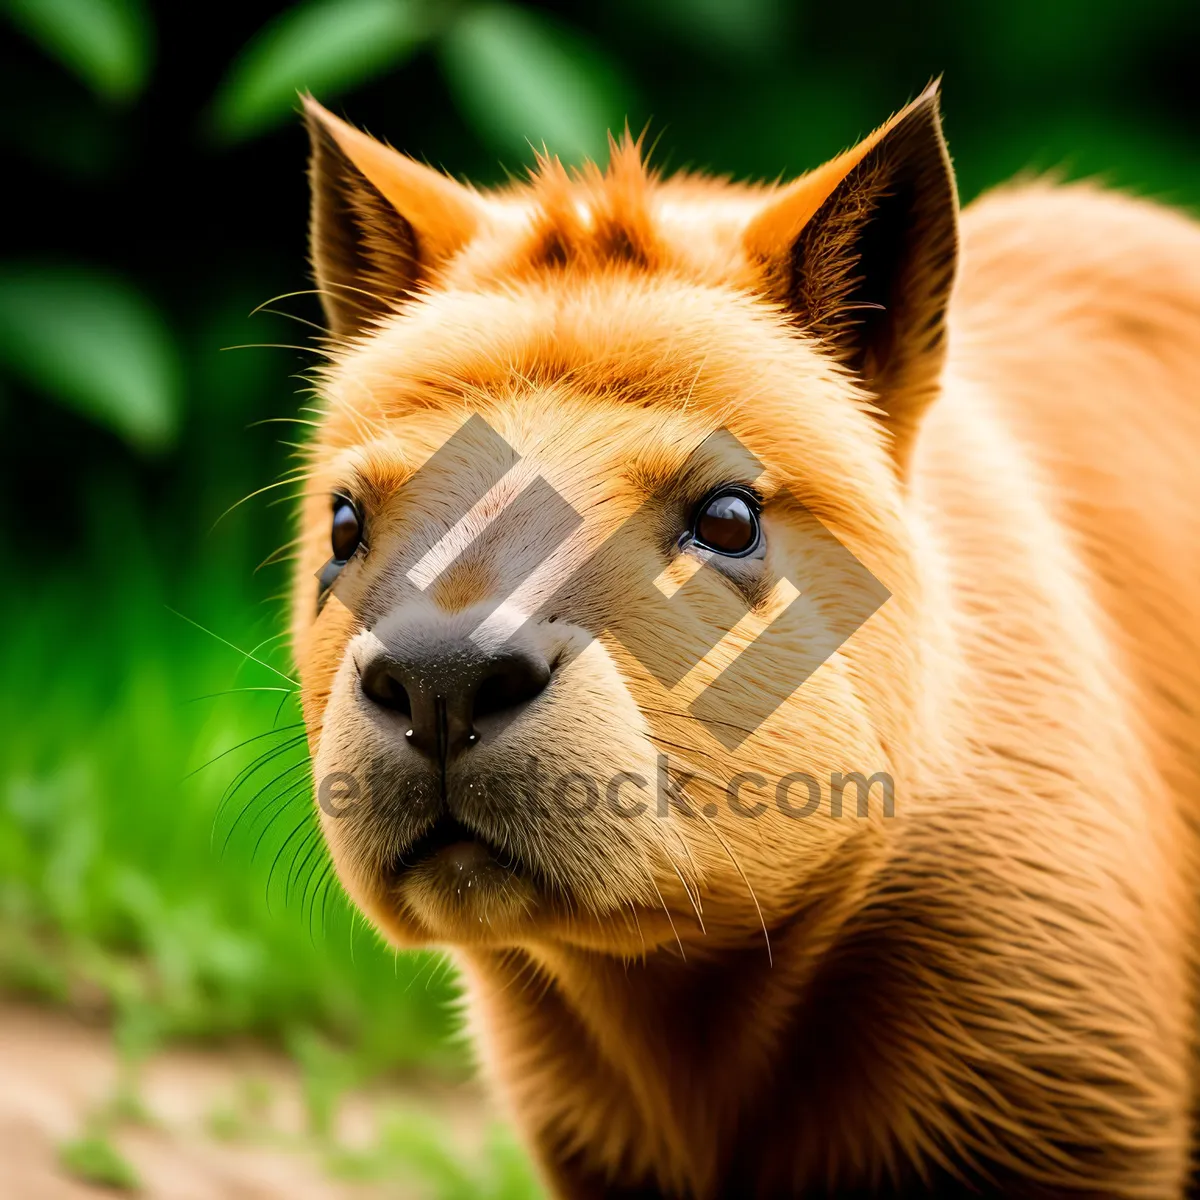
x=225, y=1124
x=415, y=1151
x=245, y=1115
x=326, y=1074
x=94, y=1159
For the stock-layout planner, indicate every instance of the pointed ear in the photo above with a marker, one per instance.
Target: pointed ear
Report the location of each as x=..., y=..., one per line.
x=862, y=253
x=381, y=223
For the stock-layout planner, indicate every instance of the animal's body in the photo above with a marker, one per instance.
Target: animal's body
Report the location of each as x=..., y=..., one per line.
x=990, y=991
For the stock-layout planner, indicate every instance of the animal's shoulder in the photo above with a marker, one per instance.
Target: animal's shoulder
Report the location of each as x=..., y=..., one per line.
x=1089, y=244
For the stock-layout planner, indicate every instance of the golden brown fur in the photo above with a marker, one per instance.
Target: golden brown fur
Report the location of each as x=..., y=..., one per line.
x=988, y=993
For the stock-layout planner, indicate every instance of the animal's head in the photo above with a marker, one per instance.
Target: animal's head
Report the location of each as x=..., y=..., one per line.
x=581, y=444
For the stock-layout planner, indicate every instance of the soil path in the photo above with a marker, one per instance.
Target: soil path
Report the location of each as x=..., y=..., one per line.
x=56, y=1074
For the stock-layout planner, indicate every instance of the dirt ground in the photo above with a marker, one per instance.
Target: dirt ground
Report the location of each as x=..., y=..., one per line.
x=56, y=1073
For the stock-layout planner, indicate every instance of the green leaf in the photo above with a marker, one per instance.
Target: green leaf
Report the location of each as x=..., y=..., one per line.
x=324, y=46
x=520, y=79
x=107, y=43
x=94, y=343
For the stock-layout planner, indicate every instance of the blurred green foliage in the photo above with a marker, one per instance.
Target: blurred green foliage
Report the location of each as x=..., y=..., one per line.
x=94, y=1159
x=409, y=1148
x=107, y=43
x=520, y=79
x=156, y=197
x=324, y=47
x=91, y=340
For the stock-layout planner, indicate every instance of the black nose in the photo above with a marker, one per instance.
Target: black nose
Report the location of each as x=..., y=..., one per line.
x=452, y=690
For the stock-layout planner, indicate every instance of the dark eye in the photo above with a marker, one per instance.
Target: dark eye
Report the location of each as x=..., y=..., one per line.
x=347, y=529
x=727, y=522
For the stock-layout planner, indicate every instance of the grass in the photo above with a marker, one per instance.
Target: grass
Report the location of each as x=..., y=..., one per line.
x=128, y=883
x=406, y=1148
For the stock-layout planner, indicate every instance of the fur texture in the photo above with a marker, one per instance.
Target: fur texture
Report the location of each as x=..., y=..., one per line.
x=990, y=992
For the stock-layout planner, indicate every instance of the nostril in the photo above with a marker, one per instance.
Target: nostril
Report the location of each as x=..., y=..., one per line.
x=448, y=691
x=381, y=684
x=513, y=681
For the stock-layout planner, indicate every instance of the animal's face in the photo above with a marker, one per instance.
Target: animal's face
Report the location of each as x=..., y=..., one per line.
x=578, y=451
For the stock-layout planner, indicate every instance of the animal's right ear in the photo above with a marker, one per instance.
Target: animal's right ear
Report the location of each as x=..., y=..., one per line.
x=381, y=222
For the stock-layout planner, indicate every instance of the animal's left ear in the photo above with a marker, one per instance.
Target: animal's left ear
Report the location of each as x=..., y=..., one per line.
x=862, y=253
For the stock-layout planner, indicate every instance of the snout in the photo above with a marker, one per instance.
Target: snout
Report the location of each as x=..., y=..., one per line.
x=462, y=739
x=441, y=717
x=452, y=686
x=437, y=693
